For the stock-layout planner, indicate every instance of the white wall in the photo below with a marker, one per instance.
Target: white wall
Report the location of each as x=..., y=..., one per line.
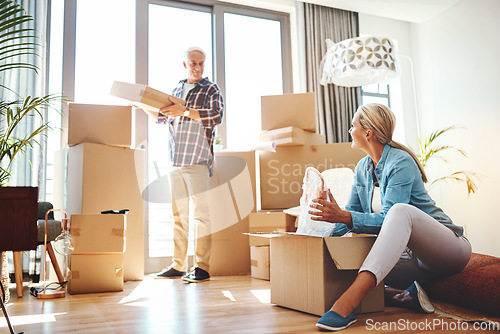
x=458, y=75
x=401, y=90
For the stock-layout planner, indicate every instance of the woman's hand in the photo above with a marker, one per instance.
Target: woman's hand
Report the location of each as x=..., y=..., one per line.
x=329, y=211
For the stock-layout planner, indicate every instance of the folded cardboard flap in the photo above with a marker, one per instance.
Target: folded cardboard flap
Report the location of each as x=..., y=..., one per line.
x=349, y=252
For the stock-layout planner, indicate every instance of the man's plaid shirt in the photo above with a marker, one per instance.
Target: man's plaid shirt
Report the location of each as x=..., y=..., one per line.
x=192, y=143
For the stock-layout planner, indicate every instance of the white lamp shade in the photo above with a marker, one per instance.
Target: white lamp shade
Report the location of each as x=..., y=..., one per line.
x=359, y=61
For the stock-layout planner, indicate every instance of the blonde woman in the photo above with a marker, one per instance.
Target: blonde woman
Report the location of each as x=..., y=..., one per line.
x=416, y=241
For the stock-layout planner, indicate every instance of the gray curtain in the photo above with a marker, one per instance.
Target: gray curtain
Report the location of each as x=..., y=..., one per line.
x=335, y=106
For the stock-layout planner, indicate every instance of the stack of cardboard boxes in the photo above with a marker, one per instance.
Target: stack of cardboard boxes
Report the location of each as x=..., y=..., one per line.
x=98, y=243
x=306, y=273
x=98, y=170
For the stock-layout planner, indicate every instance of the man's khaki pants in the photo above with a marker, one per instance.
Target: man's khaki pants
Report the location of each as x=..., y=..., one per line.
x=189, y=187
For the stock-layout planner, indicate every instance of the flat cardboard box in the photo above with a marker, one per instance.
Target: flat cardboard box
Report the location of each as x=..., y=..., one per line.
x=230, y=253
x=95, y=123
x=95, y=273
x=292, y=136
x=280, y=111
x=238, y=170
x=232, y=198
x=143, y=96
x=259, y=261
x=100, y=177
x=282, y=172
x=309, y=274
x=97, y=233
x=269, y=221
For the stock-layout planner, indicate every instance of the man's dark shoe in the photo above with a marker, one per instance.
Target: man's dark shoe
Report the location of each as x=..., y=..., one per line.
x=168, y=273
x=196, y=275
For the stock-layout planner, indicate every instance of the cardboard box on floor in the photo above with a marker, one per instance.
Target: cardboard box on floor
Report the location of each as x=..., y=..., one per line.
x=101, y=177
x=232, y=199
x=309, y=274
x=279, y=111
x=282, y=172
x=92, y=273
x=259, y=261
x=97, y=233
x=95, y=123
x=269, y=221
x=292, y=136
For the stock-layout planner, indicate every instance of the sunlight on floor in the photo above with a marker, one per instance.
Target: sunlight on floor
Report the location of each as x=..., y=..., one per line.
x=30, y=319
x=147, y=287
x=264, y=296
x=228, y=295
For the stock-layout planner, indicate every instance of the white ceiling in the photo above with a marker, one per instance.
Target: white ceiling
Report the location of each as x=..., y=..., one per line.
x=416, y=11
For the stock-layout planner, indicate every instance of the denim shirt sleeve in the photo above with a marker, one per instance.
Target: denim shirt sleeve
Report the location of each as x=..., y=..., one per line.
x=395, y=186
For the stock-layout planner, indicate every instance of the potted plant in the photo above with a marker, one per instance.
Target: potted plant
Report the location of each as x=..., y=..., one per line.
x=429, y=148
x=16, y=41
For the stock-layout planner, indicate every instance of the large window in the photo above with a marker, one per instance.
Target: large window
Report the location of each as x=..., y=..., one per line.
x=247, y=47
x=165, y=69
x=375, y=93
x=253, y=67
x=143, y=41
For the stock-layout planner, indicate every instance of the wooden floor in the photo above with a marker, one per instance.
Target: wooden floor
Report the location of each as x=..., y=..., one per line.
x=235, y=304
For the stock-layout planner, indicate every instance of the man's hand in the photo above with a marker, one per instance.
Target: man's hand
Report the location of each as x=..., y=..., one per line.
x=329, y=211
x=174, y=110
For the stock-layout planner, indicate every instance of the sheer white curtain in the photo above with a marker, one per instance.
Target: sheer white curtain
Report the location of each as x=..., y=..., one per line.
x=335, y=106
x=29, y=169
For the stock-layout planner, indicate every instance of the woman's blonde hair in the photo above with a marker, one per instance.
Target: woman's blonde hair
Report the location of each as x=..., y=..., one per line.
x=380, y=119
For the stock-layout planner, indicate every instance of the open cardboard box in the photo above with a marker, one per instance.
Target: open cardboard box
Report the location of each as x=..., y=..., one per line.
x=309, y=273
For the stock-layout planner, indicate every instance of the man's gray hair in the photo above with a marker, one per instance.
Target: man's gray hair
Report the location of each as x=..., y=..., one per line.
x=191, y=49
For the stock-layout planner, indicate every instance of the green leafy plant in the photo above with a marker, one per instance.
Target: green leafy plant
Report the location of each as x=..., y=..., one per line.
x=13, y=114
x=15, y=38
x=17, y=41
x=430, y=149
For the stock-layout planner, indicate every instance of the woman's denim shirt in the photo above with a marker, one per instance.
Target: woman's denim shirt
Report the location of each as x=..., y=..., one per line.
x=400, y=181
